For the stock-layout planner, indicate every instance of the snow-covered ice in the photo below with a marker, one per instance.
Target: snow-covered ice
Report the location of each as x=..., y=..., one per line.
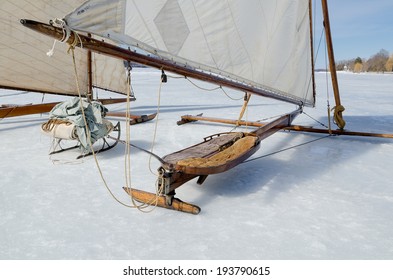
x=328, y=199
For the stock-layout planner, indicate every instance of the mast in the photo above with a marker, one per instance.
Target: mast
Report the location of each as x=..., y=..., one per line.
x=312, y=46
x=332, y=65
x=89, y=74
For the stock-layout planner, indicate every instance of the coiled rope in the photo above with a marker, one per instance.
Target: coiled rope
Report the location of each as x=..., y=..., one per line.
x=338, y=118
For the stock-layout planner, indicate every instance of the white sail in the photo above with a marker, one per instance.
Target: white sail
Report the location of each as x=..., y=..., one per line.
x=265, y=44
x=23, y=60
x=98, y=16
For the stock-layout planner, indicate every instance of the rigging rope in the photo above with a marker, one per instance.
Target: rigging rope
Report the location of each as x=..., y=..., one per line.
x=321, y=123
x=206, y=89
x=288, y=148
x=163, y=79
x=66, y=34
x=88, y=131
x=327, y=90
x=127, y=159
x=139, y=207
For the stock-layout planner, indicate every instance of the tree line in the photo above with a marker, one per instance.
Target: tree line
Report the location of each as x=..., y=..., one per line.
x=379, y=62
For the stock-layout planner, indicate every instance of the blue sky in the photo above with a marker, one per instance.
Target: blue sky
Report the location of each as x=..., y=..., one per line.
x=359, y=28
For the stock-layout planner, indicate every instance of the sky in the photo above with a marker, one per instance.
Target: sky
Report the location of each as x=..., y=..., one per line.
x=360, y=28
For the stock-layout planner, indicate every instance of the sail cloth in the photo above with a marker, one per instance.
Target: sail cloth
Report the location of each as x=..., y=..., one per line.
x=66, y=121
x=23, y=60
x=262, y=43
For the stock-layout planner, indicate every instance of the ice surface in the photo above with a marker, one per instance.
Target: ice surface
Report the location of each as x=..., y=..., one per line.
x=329, y=199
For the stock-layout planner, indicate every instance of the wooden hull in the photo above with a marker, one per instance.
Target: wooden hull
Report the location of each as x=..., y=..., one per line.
x=173, y=173
x=201, y=156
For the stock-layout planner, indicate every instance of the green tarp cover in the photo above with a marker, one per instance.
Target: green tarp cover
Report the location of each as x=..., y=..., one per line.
x=94, y=111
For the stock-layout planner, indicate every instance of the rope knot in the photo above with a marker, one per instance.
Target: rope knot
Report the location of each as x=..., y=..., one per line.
x=67, y=31
x=338, y=118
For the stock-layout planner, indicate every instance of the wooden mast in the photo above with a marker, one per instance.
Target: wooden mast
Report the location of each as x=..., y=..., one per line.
x=332, y=65
x=312, y=47
x=89, y=74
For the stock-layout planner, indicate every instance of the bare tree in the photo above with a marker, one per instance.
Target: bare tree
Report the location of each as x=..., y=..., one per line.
x=378, y=61
x=389, y=64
